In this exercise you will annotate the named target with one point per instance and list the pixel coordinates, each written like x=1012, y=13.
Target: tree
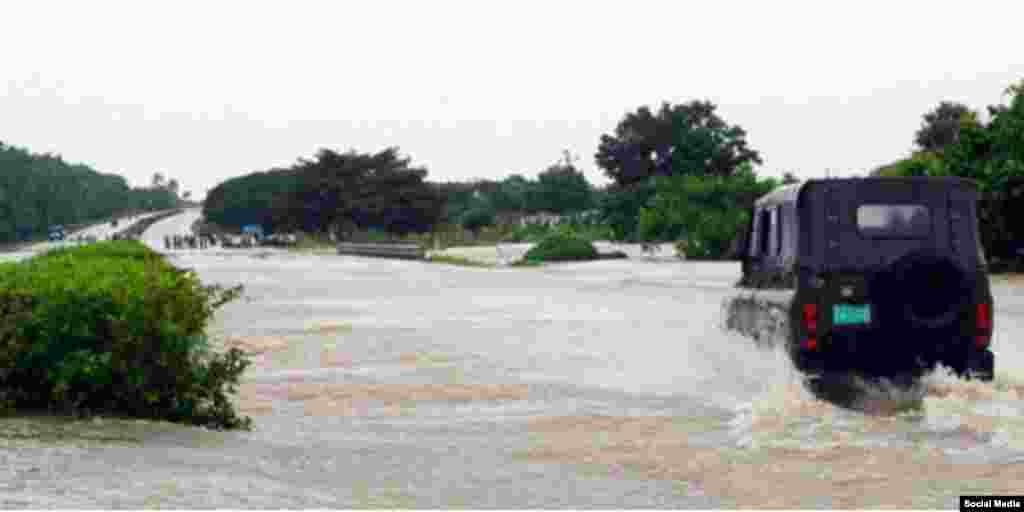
x=478, y=218
x=330, y=193
x=510, y=194
x=562, y=188
x=922, y=163
x=158, y=180
x=173, y=186
x=41, y=189
x=688, y=139
x=621, y=206
x=941, y=126
x=707, y=212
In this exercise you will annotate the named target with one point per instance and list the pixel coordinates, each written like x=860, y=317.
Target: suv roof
x=846, y=224
x=794, y=192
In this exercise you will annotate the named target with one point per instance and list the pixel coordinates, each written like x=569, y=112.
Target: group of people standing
x=189, y=242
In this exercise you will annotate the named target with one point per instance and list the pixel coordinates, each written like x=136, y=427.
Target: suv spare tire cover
x=925, y=289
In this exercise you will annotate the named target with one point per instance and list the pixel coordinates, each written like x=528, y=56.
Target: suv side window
x=764, y=232
x=777, y=226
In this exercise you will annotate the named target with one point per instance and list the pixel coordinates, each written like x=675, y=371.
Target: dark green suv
x=887, y=275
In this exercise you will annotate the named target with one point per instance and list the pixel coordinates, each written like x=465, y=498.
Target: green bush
x=477, y=219
x=530, y=233
x=706, y=212
x=620, y=209
x=113, y=328
x=563, y=245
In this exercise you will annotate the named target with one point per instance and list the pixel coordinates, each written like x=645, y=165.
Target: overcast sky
x=205, y=91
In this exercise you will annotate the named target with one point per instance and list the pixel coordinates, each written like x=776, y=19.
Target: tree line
x=40, y=190
x=343, y=193
x=956, y=140
x=677, y=171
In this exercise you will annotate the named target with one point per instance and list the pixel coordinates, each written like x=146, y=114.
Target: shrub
x=113, y=328
x=706, y=212
x=477, y=218
x=563, y=245
x=531, y=233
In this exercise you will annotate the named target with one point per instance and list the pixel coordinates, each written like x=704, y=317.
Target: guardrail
x=403, y=250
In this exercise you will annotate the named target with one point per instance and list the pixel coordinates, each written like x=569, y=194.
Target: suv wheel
x=924, y=289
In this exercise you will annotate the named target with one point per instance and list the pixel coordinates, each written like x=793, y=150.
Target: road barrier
x=403, y=250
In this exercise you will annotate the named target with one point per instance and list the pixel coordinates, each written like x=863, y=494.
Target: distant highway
x=102, y=231
x=176, y=225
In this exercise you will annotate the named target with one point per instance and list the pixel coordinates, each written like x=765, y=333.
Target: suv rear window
x=894, y=220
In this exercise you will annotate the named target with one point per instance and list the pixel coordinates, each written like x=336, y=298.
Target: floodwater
x=401, y=384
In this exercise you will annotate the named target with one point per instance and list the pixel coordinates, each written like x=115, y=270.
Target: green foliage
x=113, y=328
x=333, y=192
x=561, y=189
x=562, y=245
x=688, y=139
x=706, y=212
x=37, y=191
x=531, y=233
x=990, y=153
x=478, y=218
x=923, y=163
x=941, y=126
x=620, y=208
x=354, y=192
x=257, y=198
x=511, y=194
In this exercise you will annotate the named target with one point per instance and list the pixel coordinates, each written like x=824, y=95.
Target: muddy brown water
x=400, y=384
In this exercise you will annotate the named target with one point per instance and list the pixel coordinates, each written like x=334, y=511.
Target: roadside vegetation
x=562, y=246
x=678, y=173
x=565, y=244
x=40, y=190
x=956, y=140
x=356, y=196
x=112, y=328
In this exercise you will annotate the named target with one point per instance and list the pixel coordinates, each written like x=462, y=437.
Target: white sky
x=203, y=91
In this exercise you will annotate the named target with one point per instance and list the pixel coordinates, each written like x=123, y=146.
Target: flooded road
x=400, y=384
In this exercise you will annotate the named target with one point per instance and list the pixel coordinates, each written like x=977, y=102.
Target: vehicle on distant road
x=253, y=230
x=280, y=240
x=57, y=233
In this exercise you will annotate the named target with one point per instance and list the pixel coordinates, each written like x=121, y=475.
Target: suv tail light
x=983, y=325
x=809, y=322
x=810, y=319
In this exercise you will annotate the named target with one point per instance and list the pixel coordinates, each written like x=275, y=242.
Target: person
x=167, y=242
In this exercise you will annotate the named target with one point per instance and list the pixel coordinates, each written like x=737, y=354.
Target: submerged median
x=112, y=328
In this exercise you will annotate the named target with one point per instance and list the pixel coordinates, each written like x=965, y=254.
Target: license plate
x=851, y=314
